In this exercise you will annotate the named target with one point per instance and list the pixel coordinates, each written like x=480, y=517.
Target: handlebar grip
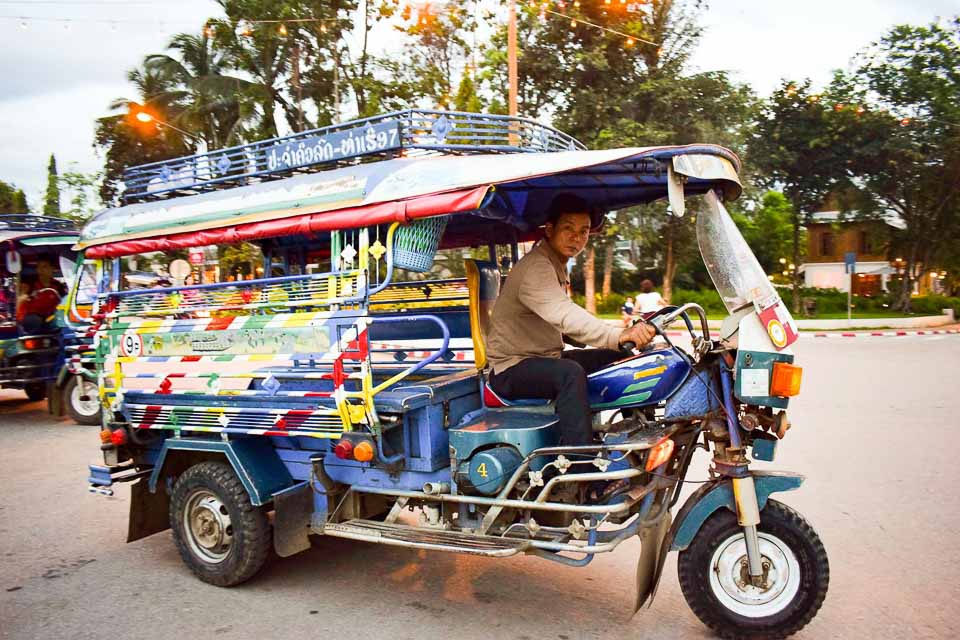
x=629, y=345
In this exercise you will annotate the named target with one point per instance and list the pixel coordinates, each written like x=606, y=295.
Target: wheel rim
x=83, y=398
x=207, y=525
x=730, y=578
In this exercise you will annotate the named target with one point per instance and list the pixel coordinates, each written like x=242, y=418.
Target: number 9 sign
x=131, y=345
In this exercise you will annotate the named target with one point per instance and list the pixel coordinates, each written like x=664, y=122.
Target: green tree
x=12, y=200
x=907, y=139
x=802, y=148
x=81, y=191
x=768, y=229
x=51, y=202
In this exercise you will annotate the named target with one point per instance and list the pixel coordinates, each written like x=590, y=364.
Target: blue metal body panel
x=254, y=460
x=710, y=497
x=523, y=430
x=647, y=379
x=363, y=474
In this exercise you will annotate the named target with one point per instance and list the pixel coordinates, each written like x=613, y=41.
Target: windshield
x=736, y=274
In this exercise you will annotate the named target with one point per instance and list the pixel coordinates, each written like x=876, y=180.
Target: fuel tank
x=645, y=379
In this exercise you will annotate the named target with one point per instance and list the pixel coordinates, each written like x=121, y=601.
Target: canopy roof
x=513, y=189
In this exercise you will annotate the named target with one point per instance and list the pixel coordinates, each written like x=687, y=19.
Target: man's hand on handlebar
x=636, y=336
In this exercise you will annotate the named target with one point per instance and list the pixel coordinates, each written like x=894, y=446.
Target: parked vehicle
x=338, y=398
x=31, y=350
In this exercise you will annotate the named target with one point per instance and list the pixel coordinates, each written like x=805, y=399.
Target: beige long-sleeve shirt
x=533, y=313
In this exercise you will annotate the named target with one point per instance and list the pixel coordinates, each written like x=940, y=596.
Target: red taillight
x=343, y=450
x=119, y=437
x=31, y=344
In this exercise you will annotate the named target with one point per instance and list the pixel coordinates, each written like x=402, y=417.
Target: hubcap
x=730, y=576
x=84, y=399
x=208, y=527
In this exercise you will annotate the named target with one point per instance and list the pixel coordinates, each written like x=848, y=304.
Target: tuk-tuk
x=31, y=287
x=340, y=389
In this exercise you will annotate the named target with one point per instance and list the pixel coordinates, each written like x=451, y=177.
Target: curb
x=885, y=334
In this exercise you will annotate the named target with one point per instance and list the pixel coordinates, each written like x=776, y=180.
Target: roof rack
x=408, y=133
x=40, y=224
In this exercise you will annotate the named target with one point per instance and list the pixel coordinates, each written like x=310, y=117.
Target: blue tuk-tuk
x=31, y=287
x=340, y=389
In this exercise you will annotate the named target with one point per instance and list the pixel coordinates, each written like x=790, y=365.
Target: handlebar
x=660, y=322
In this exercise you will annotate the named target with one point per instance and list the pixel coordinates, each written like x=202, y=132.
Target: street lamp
x=148, y=118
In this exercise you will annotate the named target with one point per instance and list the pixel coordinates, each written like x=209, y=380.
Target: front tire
x=715, y=582
x=36, y=391
x=221, y=536
x=83, y=403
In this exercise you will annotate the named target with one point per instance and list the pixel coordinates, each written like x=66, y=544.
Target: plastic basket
x=415, y=244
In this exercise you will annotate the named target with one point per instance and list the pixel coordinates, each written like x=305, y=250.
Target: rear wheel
x=83, y=403
x=223, y=538
x=716, y=583
x=36, y=391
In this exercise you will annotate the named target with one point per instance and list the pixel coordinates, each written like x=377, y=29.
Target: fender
x=701, y=504
x=254, y=460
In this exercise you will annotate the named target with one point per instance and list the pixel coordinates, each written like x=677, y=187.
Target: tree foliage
x=12, y=200
x=51, y=200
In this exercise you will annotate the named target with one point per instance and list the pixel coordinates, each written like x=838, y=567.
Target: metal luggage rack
x=410, y=132
x=27, y=222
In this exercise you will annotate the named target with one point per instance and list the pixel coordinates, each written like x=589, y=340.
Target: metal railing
x=409, y=132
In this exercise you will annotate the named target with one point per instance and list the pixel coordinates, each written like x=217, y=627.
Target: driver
x=533, y=315
x=39, y=298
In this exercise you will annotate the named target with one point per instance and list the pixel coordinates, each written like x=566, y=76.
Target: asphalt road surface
x=875, y=432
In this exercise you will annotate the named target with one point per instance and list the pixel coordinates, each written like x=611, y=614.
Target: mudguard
x=701, y=504
x=254, y=460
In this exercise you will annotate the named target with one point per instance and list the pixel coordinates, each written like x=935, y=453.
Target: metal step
x=423, y=538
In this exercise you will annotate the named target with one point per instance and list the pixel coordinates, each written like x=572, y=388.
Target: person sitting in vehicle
x=533, y=315
x=39, y=297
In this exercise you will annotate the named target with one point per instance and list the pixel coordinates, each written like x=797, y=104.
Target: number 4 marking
x=482, y=469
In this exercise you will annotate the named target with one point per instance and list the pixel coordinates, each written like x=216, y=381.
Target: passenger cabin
x=346, y=339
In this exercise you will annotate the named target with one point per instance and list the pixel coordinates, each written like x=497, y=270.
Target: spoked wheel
x=715, y=578
x=222, y=537
x=83, y=403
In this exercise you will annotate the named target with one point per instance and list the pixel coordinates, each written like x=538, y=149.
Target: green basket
x=415, y=244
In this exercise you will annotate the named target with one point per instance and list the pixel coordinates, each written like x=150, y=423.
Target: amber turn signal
x=363, y=452
x=105, y=436
x=659, y=453
x=786, y=380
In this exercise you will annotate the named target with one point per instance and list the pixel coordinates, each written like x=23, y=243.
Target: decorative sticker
x=779, y=325
x=754, y=382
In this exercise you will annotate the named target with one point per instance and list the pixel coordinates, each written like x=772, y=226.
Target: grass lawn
x=819, y=316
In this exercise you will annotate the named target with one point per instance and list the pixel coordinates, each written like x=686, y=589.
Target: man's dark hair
x=567, y=202
x=646, y=286
x=45, y=257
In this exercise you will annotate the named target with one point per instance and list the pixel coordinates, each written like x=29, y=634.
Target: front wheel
x=221, y=536
x=82, y=400
x=35, y=391
x=716, y=582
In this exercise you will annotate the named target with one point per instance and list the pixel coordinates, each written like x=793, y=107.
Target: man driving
x=39, y=297
x=533, y=315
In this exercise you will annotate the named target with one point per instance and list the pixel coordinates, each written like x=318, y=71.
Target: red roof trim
x=380, y=213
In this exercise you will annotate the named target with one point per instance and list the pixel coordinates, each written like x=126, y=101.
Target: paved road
x=874, y=431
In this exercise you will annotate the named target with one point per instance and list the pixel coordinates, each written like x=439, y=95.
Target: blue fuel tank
x=646, y=379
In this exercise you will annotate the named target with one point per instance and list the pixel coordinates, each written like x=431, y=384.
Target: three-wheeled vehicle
x=31, y=287
x=342, y=390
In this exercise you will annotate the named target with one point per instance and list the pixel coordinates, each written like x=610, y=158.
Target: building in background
x=830, y=236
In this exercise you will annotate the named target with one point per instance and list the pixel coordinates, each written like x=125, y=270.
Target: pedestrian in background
x=626, y=311
x=649, y=300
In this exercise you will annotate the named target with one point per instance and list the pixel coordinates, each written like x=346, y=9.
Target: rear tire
x=81, y=410
x=220, y=535
x=36, y=391
x=714, y=585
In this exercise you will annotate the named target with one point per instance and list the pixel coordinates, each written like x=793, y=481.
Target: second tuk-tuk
x=31, y=287
x=337, y=390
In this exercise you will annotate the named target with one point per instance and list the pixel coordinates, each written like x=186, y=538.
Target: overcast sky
x=63, y=61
